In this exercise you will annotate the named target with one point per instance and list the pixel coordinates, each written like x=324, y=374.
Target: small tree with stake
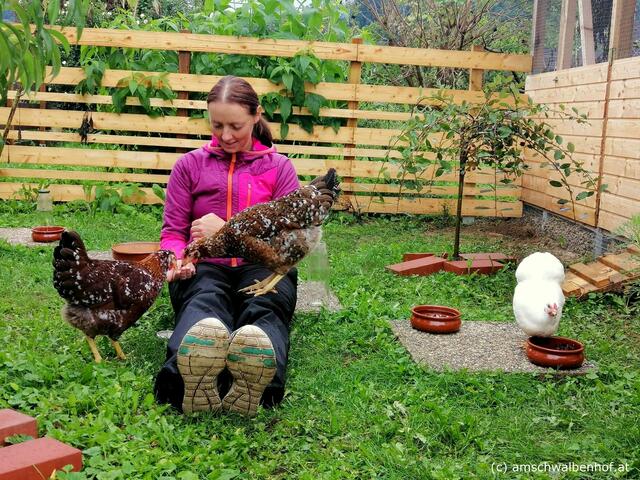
x=492, y=134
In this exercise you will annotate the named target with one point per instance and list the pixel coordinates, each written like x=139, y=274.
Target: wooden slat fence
x=137, y=148
x=609, y=145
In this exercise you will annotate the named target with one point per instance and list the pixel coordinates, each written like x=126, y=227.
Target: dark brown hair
x=232, y=89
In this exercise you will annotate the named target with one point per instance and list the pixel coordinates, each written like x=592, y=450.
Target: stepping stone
x=16, y=423
x=465, y=267
x=500, y=257
x=419, y=266
x=37, y=459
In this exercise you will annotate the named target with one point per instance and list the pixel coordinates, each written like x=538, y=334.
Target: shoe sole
x=252, y=362
x=201, y=357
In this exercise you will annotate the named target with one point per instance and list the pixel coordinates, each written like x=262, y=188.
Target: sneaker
x=201, y=357
x=252, y=362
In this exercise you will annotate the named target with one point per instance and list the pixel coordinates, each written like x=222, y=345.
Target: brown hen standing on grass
x=105, y=297
x=277, y=234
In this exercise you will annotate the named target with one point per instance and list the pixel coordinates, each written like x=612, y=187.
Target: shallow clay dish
x=134, y=251
x=45, y=234
x=555, y=352
x=435, y=319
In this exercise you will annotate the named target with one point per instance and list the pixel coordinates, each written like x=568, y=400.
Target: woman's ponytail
x=262, y=132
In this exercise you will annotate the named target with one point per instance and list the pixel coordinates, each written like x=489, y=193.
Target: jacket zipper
x=234, y=260
x=248, y=195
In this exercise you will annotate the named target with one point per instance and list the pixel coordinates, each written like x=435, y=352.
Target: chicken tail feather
x=328, y=183
x=70, y=245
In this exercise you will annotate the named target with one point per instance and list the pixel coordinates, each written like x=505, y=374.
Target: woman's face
x=232, y=125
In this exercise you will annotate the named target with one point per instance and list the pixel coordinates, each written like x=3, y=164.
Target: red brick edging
x=33, y=459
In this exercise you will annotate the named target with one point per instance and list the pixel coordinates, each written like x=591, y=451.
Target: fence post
x=537, y=36
x=184, y=66
x=355, y=74
x=476, y=78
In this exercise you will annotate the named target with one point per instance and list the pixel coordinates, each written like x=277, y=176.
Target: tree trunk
x=12, y=112
x=461, y=174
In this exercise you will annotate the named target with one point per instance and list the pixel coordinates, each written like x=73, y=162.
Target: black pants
x=213, y=292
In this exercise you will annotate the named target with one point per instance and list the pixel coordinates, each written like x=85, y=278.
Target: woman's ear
x=259, y=111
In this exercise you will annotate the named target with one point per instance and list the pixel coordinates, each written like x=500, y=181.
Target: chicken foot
x=120, y=354
x=263, y=286
x=94, y=349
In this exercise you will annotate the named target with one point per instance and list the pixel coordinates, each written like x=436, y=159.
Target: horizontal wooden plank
x=627, y=89
x=624, y=262
x=164, y=161
x=373, y=188
x=65, y=193
x=581, y=214
x=595, y=273
x=173, y=125
x=533, y=197
x=477, y=208
x=616, y=204
x=624, y=187
x=287, y=48
x=568, y=95
x=594, y=109
x=185, y=82
x=625, y=108
x=334, y=151
x=627, y=148
x=194, y=42
x=71, y=76
x=583, y=144
x=87, y=157
x=611, y=221
x=625, y=68
x=622, y=167
x=202, y=105
x=623, y=128
x=83, y=175
x=542, y=185
x=566, y=78
x=593, y=128
x=576, y=286
x=444, y=58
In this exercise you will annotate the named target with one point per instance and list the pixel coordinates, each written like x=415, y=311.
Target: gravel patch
x=314, y=295
x=478, y=346
x=21, y=236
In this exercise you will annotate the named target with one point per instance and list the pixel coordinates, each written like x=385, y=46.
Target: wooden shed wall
x=609, y=144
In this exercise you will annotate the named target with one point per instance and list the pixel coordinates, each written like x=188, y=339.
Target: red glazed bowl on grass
x=435, y=319
x=555, y=352
x=46, y=234
x=134, y=251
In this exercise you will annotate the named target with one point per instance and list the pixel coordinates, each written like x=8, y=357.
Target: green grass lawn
x=356, y=405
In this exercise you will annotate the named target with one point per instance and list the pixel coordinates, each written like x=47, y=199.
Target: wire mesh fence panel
x=574, y=33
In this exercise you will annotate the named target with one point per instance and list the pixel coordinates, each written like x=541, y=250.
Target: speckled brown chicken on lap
x=277, y=234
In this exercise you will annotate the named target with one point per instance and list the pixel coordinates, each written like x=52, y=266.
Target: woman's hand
x=206, y=226
x=181, y=272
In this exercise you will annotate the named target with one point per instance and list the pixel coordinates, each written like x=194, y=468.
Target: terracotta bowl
x=435, y=319
x=46, y=233
x=134, y=251
x=555, y=352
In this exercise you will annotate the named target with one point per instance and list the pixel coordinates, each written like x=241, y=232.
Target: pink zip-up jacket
x=210, y=180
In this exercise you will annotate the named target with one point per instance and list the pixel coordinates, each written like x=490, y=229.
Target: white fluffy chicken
x=538, y=297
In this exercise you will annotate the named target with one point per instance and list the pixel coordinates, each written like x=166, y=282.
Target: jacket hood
x=257, y=150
